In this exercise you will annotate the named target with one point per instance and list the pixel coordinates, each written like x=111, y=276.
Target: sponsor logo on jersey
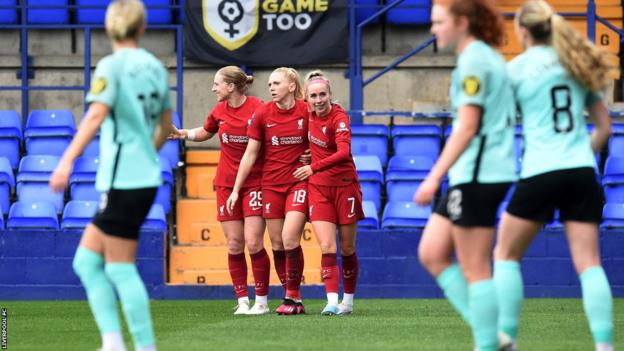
x=275, y=141
x=471, y=85
x=224, y=138
x=231, y=23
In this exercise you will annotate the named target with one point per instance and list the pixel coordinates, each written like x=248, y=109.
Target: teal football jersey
x=552, y=105
x=134, y=85
x=481, y=79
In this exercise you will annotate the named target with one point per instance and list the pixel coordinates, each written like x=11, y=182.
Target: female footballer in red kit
x=243, y=225
x=334, y=190
x=281, y=127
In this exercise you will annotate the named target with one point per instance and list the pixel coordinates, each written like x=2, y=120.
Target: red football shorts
x=249, y=203
x=336, y=204
x=280, y=199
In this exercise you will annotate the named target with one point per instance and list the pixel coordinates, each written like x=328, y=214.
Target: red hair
x=484, y=21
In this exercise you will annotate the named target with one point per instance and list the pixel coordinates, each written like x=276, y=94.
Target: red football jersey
x=330, y=144
x=231, y=125
x=284, y=134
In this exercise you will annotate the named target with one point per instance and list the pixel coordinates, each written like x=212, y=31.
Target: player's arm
x=86, y=132
x=468, y=124
x=195, y=134
x=162, y=129
x=246, y=164
x=599, y=115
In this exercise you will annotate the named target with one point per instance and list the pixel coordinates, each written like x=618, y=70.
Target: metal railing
x=25, y=87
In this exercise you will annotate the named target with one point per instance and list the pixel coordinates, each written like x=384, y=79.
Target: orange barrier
x=201, y=167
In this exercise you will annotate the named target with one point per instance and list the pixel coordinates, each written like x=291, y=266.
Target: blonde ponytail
x=581, y=58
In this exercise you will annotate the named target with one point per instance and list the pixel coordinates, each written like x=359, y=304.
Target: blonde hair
x=125, y=19
x=581, y=58
x=235, y=75
x=293, y=77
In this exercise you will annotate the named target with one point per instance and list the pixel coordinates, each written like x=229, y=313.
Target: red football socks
x=350, y=269
x=261, y=268
x=238, y=272
x=329, y=272
x=294, y=268
x=279, y=259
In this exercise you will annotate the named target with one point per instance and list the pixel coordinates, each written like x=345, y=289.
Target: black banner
x=266, y=32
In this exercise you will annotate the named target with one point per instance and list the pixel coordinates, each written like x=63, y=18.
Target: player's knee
x=328, y=247
x=347, y=249
x=86, y=263
x=236, y=246
x=254, y=245
x=291, y=243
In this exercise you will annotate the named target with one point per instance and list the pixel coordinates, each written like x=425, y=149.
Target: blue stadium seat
x=49, y=132
x=613, y=179
x=7, y=182
x=97, y=15
x=82, y=179
x=371, y=177
x=417, y=140
x=171, y=149
x=403, y=214
x=163, y=196
x=156, y=219
x=404, y=175
x=10, y=136
x=1, y=220
x=365, y=9
x=33, y=215
x=93, y=148
x=370, y=139
x=8, y=16
x=78, y=214
x=613, y=216
x=48, y=15
x=371, y=218
x=33, y=176
x=410, y=12
x=616, y=142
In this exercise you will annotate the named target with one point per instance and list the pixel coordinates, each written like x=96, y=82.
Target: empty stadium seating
x=8, y=16
x=163, y=196
x=616, y=142
x=7, y=183
x=77, y=214
x=370, y=139
x=613, y=216
x=371, y=220
x=156, y=219
x=82, y=179
x=10, y=136
x=33, y=215
x=404, y=215
x=53, y=14
x=49, y=132
x=96, y=15
x=365, y=9
x=33, y=177
x=371, y=178
x=613, y=179
x=410, y=12
x=404, y=175
x=417, y=140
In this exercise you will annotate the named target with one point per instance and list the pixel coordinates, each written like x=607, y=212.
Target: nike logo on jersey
x=256, y=208
x=221, y=123
x=351, y=215
x=271, y=125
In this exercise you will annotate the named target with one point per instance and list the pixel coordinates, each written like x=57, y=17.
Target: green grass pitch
x=407, y=324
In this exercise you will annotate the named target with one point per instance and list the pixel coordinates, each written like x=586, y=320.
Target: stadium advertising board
x=266, y=32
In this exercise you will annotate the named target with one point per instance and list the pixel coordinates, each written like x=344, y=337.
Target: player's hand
x=60, y=177
x=426, y=191
x=231, y=201
x=302, y=173
x=175, y=133
x=306, y=157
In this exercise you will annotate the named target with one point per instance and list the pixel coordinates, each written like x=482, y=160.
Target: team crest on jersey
x=267, y=207
x=300, y=123
x=250, y=121
x=98, y=86
x=224, y=138
x=222, y=210
x=471, y=85
x=324, y=130
x=231, y=23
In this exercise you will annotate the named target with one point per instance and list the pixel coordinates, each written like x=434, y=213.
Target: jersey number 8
x=561, y=103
